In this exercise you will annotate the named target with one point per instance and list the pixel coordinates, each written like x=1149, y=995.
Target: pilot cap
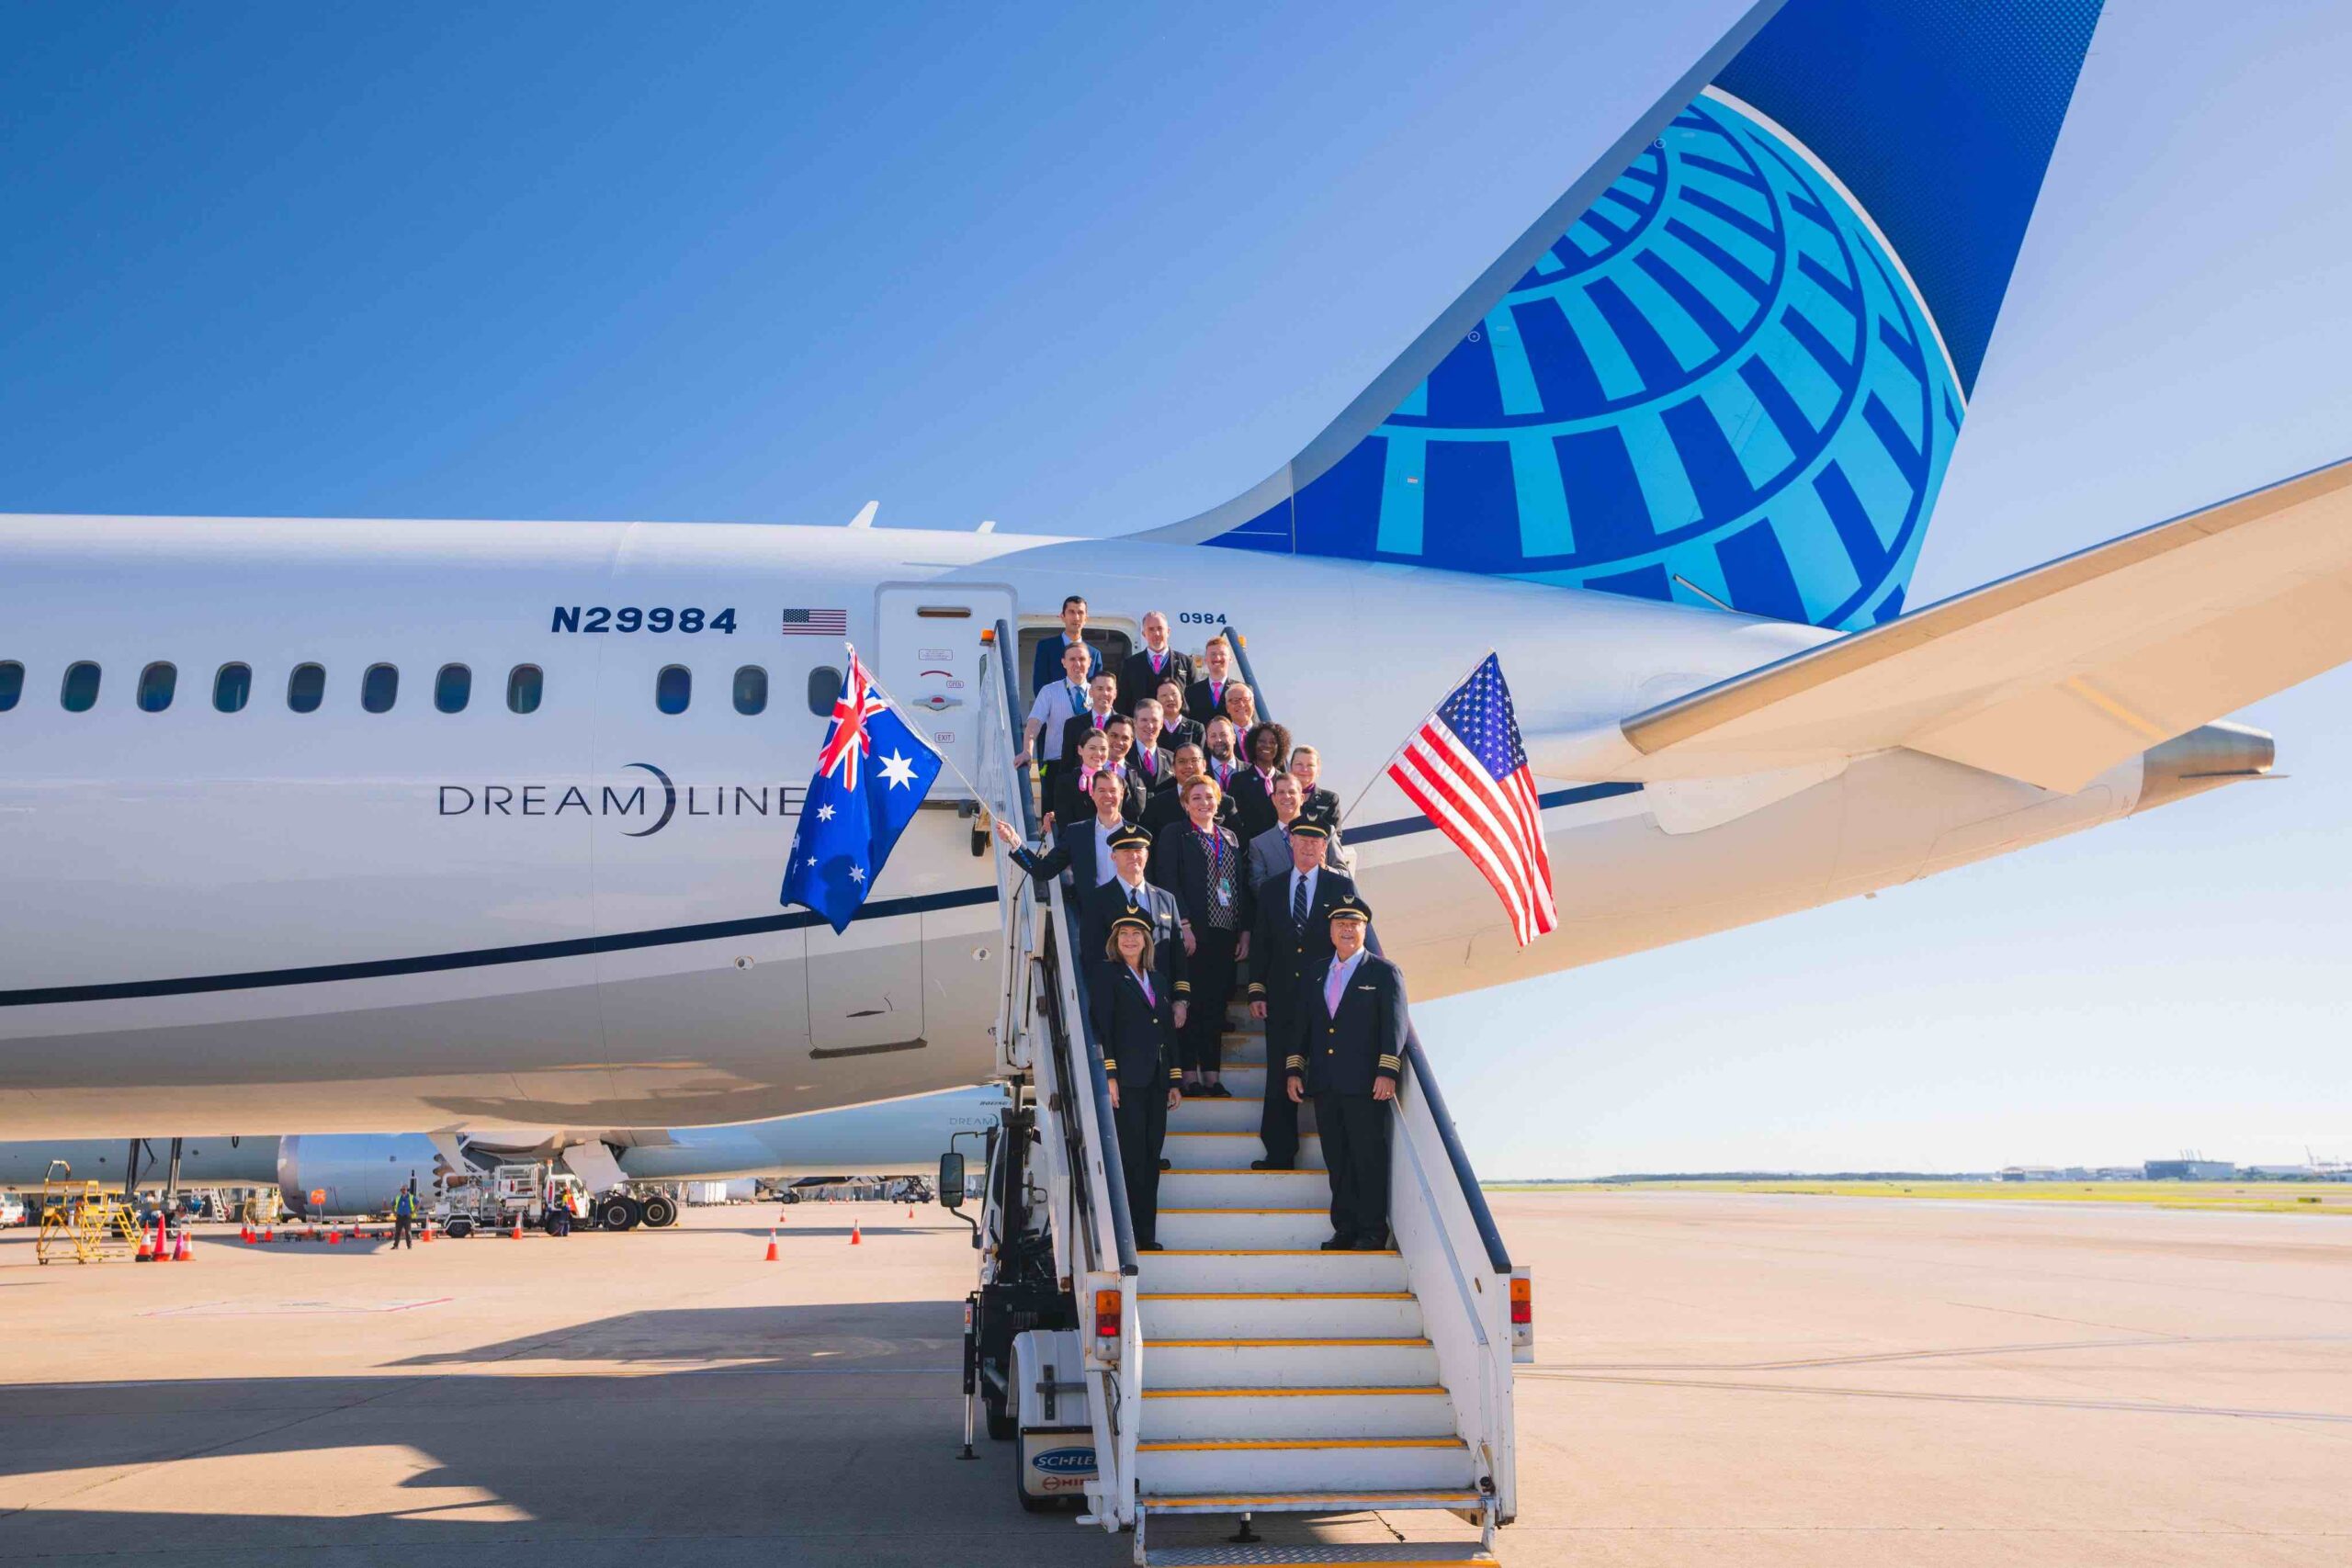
x=1310, y=830
x=1351, y=908
x=1135, y=917
x=1130, y=838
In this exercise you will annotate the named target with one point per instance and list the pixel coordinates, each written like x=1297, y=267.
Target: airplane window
x=156, y=684
x=751, y=689
x=80, y=689
x=12, y=683
x=824, y=690
x=673, y=688
x=306, y=687
x=231, y=685
x=452, y=688
x=524, y=684
x=380, y=688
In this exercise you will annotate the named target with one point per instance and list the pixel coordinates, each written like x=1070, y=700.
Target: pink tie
x=1331, y=988
x=1157, y=660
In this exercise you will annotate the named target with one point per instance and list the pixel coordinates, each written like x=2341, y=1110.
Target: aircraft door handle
x=936, y=701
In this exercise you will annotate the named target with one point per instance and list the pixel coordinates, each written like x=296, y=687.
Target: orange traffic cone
x=180, y=1252
x=853, y=1234
x=144, y=1255
x=428, y=1227
x=268, y=1234
x=772, y=1257
x=910, y=1211
x=517, y=1232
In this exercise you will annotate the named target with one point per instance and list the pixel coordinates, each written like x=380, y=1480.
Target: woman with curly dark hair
x=1264, y=749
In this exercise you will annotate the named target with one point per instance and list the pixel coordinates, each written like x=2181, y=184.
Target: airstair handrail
x=1240, y=646
x=1048, y=971
x=1489, y=1233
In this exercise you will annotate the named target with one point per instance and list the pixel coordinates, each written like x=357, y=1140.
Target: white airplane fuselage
x=344, y=920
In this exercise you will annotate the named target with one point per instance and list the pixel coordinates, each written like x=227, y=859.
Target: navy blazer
x=1073, y=851
x=1137, y=1038
x=1046, y=667
x=1349, y=1052
x=1137, y=680
x=1280, y=950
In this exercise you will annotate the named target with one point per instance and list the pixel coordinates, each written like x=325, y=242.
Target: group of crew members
x=1210, y=870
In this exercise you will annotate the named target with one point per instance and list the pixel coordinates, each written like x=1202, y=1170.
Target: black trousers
x=1278, y=1121
x=401, y=1223
x=1142, y=1119
x=1356, y=1144
x=1210, y=969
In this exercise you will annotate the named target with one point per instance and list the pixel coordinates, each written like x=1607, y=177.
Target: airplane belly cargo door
x=929, y=658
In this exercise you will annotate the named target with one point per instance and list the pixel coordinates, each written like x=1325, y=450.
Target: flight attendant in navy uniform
x=1347, y=1049
x=1135, y=1027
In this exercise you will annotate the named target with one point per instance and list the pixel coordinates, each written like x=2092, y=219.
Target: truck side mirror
x=951, y=1181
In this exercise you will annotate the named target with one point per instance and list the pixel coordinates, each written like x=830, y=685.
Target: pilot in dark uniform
x=1347, y=1049
x=1134, y=1028
x=1292, y=932
x=1128, y=889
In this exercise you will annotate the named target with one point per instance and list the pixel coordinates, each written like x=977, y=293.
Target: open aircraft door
x=929, y=658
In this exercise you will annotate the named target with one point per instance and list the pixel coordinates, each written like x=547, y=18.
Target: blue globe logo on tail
x=1718, y=384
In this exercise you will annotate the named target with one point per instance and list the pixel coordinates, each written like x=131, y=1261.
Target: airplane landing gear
x=618, y=1211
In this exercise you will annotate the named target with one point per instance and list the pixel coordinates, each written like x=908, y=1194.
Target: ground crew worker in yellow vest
x=403, y=1218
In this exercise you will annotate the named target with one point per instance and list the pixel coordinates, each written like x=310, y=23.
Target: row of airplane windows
x=380, y=688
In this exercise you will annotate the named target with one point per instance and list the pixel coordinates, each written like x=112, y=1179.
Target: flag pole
x=1381, y=772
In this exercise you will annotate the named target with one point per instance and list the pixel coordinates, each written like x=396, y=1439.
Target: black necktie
x=1298, y=902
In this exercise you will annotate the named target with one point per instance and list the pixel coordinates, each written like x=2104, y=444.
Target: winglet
x=864, y=518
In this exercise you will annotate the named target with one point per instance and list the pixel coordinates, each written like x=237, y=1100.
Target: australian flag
x=872, y=772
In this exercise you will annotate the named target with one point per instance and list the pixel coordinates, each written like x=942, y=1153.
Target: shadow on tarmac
x=789, y=1434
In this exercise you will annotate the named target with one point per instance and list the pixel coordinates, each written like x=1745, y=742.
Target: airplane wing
x=2052, y=676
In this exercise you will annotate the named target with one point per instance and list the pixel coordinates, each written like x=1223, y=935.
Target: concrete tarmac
x=1720, y=1379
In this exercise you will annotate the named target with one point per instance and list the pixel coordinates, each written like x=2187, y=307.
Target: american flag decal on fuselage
x=816, y=623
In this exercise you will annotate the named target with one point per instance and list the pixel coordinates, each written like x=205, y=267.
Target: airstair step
x=1245, y=1188
x=1229, y=1148
x=1193, y=1228
x=1305, y=1464
x=1367, y=1412
x=1199, y=1113
x=1365, y=1554
x=1248, y=1500
x=1278, y=1362
x=1230, y=1269
x=1246, y=1081
x=1219, y=1314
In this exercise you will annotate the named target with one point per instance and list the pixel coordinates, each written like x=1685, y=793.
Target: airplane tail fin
x=1728, y=365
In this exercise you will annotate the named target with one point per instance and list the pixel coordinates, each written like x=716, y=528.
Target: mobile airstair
x=1243, y=1370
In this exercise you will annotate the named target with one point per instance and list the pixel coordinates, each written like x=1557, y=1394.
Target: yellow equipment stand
x=95, y=1224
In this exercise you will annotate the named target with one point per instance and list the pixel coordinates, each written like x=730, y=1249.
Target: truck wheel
x=1001, y=1423
x=459, y=1228
x=661, y=1211
x=618, y=1213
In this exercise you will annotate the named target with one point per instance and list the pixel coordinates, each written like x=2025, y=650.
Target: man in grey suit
x=1270, y=851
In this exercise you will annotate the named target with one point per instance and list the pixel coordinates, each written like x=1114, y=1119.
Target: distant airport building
x=2282, y=1172
x=2032, y=1173
x=2190, y=1170
x=2120, y=1172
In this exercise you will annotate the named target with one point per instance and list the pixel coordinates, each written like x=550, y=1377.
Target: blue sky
x=1094, y=268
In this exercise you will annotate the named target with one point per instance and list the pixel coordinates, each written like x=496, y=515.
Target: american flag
x=816, y=623
x=1466, y=768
